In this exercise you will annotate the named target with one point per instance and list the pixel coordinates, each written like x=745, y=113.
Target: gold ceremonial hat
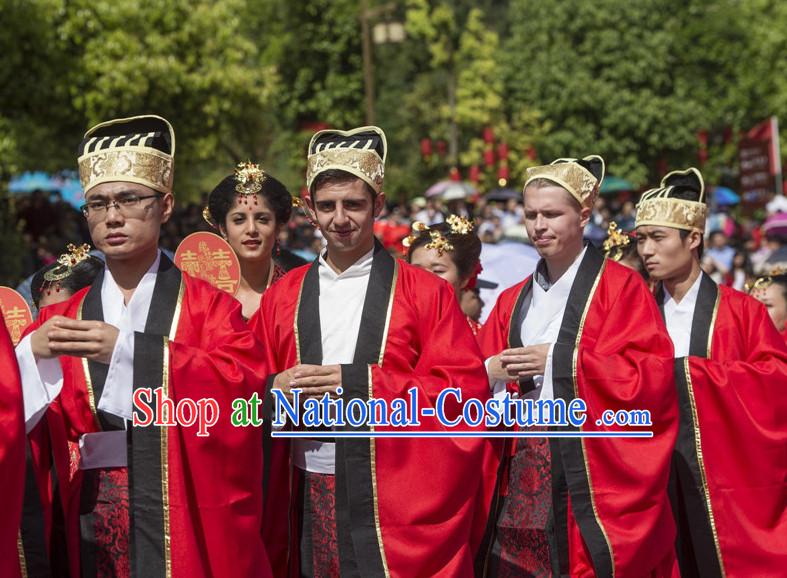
x=661, y=206
x=140, y=149
x=580, y=177
x=361, y=152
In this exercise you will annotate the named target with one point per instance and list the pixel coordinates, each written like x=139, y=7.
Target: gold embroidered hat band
x=580, y=177
x=360, y=152
x=679, y=202
x=140, y=149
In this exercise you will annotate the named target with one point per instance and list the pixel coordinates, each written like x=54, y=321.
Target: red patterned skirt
x=319, y=551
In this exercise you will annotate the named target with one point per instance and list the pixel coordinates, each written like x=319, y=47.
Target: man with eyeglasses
x=152, y=501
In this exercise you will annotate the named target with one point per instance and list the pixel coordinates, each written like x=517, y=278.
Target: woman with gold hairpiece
x=250, y=209
x=771, y=291
x=58, y=281
x=52, y=284
x=620, y=248
x=450, y=250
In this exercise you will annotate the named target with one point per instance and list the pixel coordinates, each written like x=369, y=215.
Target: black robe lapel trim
x=704, y=313
x=360, y=549
x=572, y=451
x=148, y=446
x=695, y=545
x=309, y=336
x=515, y=328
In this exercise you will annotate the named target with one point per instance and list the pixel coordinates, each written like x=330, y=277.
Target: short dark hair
x=273, y=191
x=701, y=249
x=467, y=248
x=82, y=275
x=337, y=176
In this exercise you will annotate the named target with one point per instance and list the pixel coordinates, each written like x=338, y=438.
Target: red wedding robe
x=731, y=453
x=592, y=507
x=12, y=455
x=412, y=501
x=186, y=506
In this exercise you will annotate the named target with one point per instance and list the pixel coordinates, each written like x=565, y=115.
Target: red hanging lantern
x=702, y=153
x=475, y=174
x=489, y=156
x=455, y=175
x=502, y=151
x=502, y=171
x=426, y=147
x=489, y=135
x=442, y=148
x=531, y=153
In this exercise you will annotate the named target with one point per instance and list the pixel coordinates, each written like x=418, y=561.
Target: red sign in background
x=760, y=163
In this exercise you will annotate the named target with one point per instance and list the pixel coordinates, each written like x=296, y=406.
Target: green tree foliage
x=634, y=81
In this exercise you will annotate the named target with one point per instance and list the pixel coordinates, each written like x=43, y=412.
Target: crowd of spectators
x=737, y=247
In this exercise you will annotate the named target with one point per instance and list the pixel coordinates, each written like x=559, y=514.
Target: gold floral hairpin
x=459, y=226
x=616, y=241
x=249, y=177
x=67, y=262
x=764, y=281
x=208, y=217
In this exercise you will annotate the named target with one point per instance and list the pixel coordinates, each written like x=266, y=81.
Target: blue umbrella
x=725, y=196
x=29, y=182
x=66, y=182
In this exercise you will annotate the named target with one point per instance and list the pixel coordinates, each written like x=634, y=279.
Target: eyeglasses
x=128, y=206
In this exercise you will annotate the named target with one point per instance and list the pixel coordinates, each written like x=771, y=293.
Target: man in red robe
x=580, y=327
x=729, y=482
x=376, y=326
x=144, y=499
x=12, y=454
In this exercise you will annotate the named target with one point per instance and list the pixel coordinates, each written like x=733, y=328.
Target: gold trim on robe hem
x=701, y=464
x=176, y=315
x=86, y=370
x=713, y=322
x=387, y=319
x=295, y=323
x=373, y=466
x=20, y=547
x=163, y=432
x=576, y=395
x=372, y=444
